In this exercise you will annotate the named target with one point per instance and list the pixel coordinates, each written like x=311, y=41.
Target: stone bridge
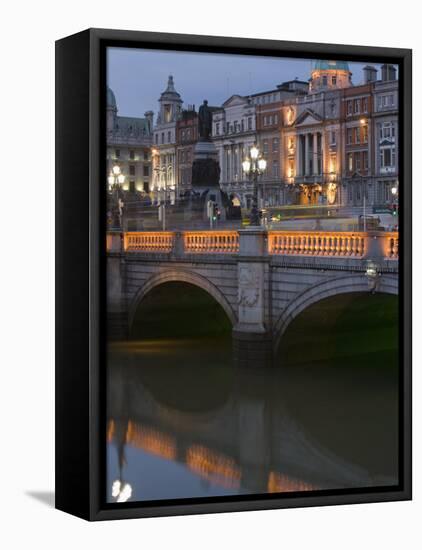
x=261, y=279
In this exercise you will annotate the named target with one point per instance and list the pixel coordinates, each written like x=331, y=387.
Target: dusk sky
x=138, y=77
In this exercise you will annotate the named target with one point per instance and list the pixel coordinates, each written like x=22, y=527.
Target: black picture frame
x=80, y=272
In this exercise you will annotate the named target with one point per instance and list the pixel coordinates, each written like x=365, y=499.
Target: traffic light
x=395, y=212
x=216, y=212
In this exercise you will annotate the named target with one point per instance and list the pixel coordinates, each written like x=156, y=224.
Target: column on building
x=306, y=155
x=315, y=153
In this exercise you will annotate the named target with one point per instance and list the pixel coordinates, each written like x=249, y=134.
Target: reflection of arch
x=181, y=276
x=331, y=287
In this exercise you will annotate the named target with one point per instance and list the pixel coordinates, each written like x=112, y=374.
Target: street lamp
x=164, y=170
x=116, y=180
x=363, y=185
x=253, y=166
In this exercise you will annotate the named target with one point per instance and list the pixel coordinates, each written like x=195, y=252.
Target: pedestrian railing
x=279, y=243
x=317, y=243
x=211, y=242
x=146, y=241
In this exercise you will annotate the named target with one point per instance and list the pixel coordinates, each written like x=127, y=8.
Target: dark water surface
x=184, y=422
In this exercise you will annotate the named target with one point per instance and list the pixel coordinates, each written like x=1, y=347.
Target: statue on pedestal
x=205, y=121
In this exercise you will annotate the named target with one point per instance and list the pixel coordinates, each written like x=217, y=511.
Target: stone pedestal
x=206, y=177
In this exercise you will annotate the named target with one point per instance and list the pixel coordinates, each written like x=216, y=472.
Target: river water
x=184, y=422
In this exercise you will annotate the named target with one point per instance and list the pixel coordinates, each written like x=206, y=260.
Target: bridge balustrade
x=158, y=241
x=342, y=244
x=211, y=242
x=295, y=243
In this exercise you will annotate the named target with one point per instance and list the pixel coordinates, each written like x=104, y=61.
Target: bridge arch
x=325, y=289
x=181, y=276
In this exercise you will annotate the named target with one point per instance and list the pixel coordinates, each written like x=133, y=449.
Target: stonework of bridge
x=261, y=279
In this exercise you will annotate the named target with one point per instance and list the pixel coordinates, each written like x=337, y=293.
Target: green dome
x=111, y=99
x=322, y=65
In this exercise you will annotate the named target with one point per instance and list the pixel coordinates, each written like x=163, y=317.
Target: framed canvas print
x=233, y=274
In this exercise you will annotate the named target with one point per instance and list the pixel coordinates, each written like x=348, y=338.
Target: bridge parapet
x=359, y=245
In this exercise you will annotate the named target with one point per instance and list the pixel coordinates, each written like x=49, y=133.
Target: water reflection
x=184, y=422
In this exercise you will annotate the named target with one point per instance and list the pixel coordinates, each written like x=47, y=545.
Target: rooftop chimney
x=388, y=72
x=369, y=74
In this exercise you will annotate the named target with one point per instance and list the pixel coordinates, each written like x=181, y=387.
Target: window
x=235, y=125
x=333, y=139
x=168, y=137
x=249, y=123
x=156, y=139
x=388, y=157
x=356, y=106
x=357, y=134
x=132, y=186
x=275, y=171
x=333, y=164
x=357, y=162
x=385, y=101
x=162, y=137
x=146, y=155
x=243, y=125
x=265, y=146
x=132, y=154
x=365, y=105
x=350, y=162
x=365, y=133
x=365, y=160
x=183, y=133
x=387, y=130
x=349, y=107
x=131, y=169
x=217, y=129
x=333, y=80
x=324, y=80
x=275, y=145
x=146, y=171
x=349, y=135
x=228, y=127
x=117, y=153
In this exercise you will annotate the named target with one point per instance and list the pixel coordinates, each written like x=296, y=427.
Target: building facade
x=186, y=139
x=385, y=117
x=164, y=158
x=129, y=142
x=327, y=142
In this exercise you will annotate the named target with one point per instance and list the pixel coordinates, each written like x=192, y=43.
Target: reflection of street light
x=121, y=491
x=253, y=166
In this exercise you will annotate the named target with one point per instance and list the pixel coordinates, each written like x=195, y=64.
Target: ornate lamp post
x=115, y=181
x=395, y=193
x=164, y=170
x=254, y=166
